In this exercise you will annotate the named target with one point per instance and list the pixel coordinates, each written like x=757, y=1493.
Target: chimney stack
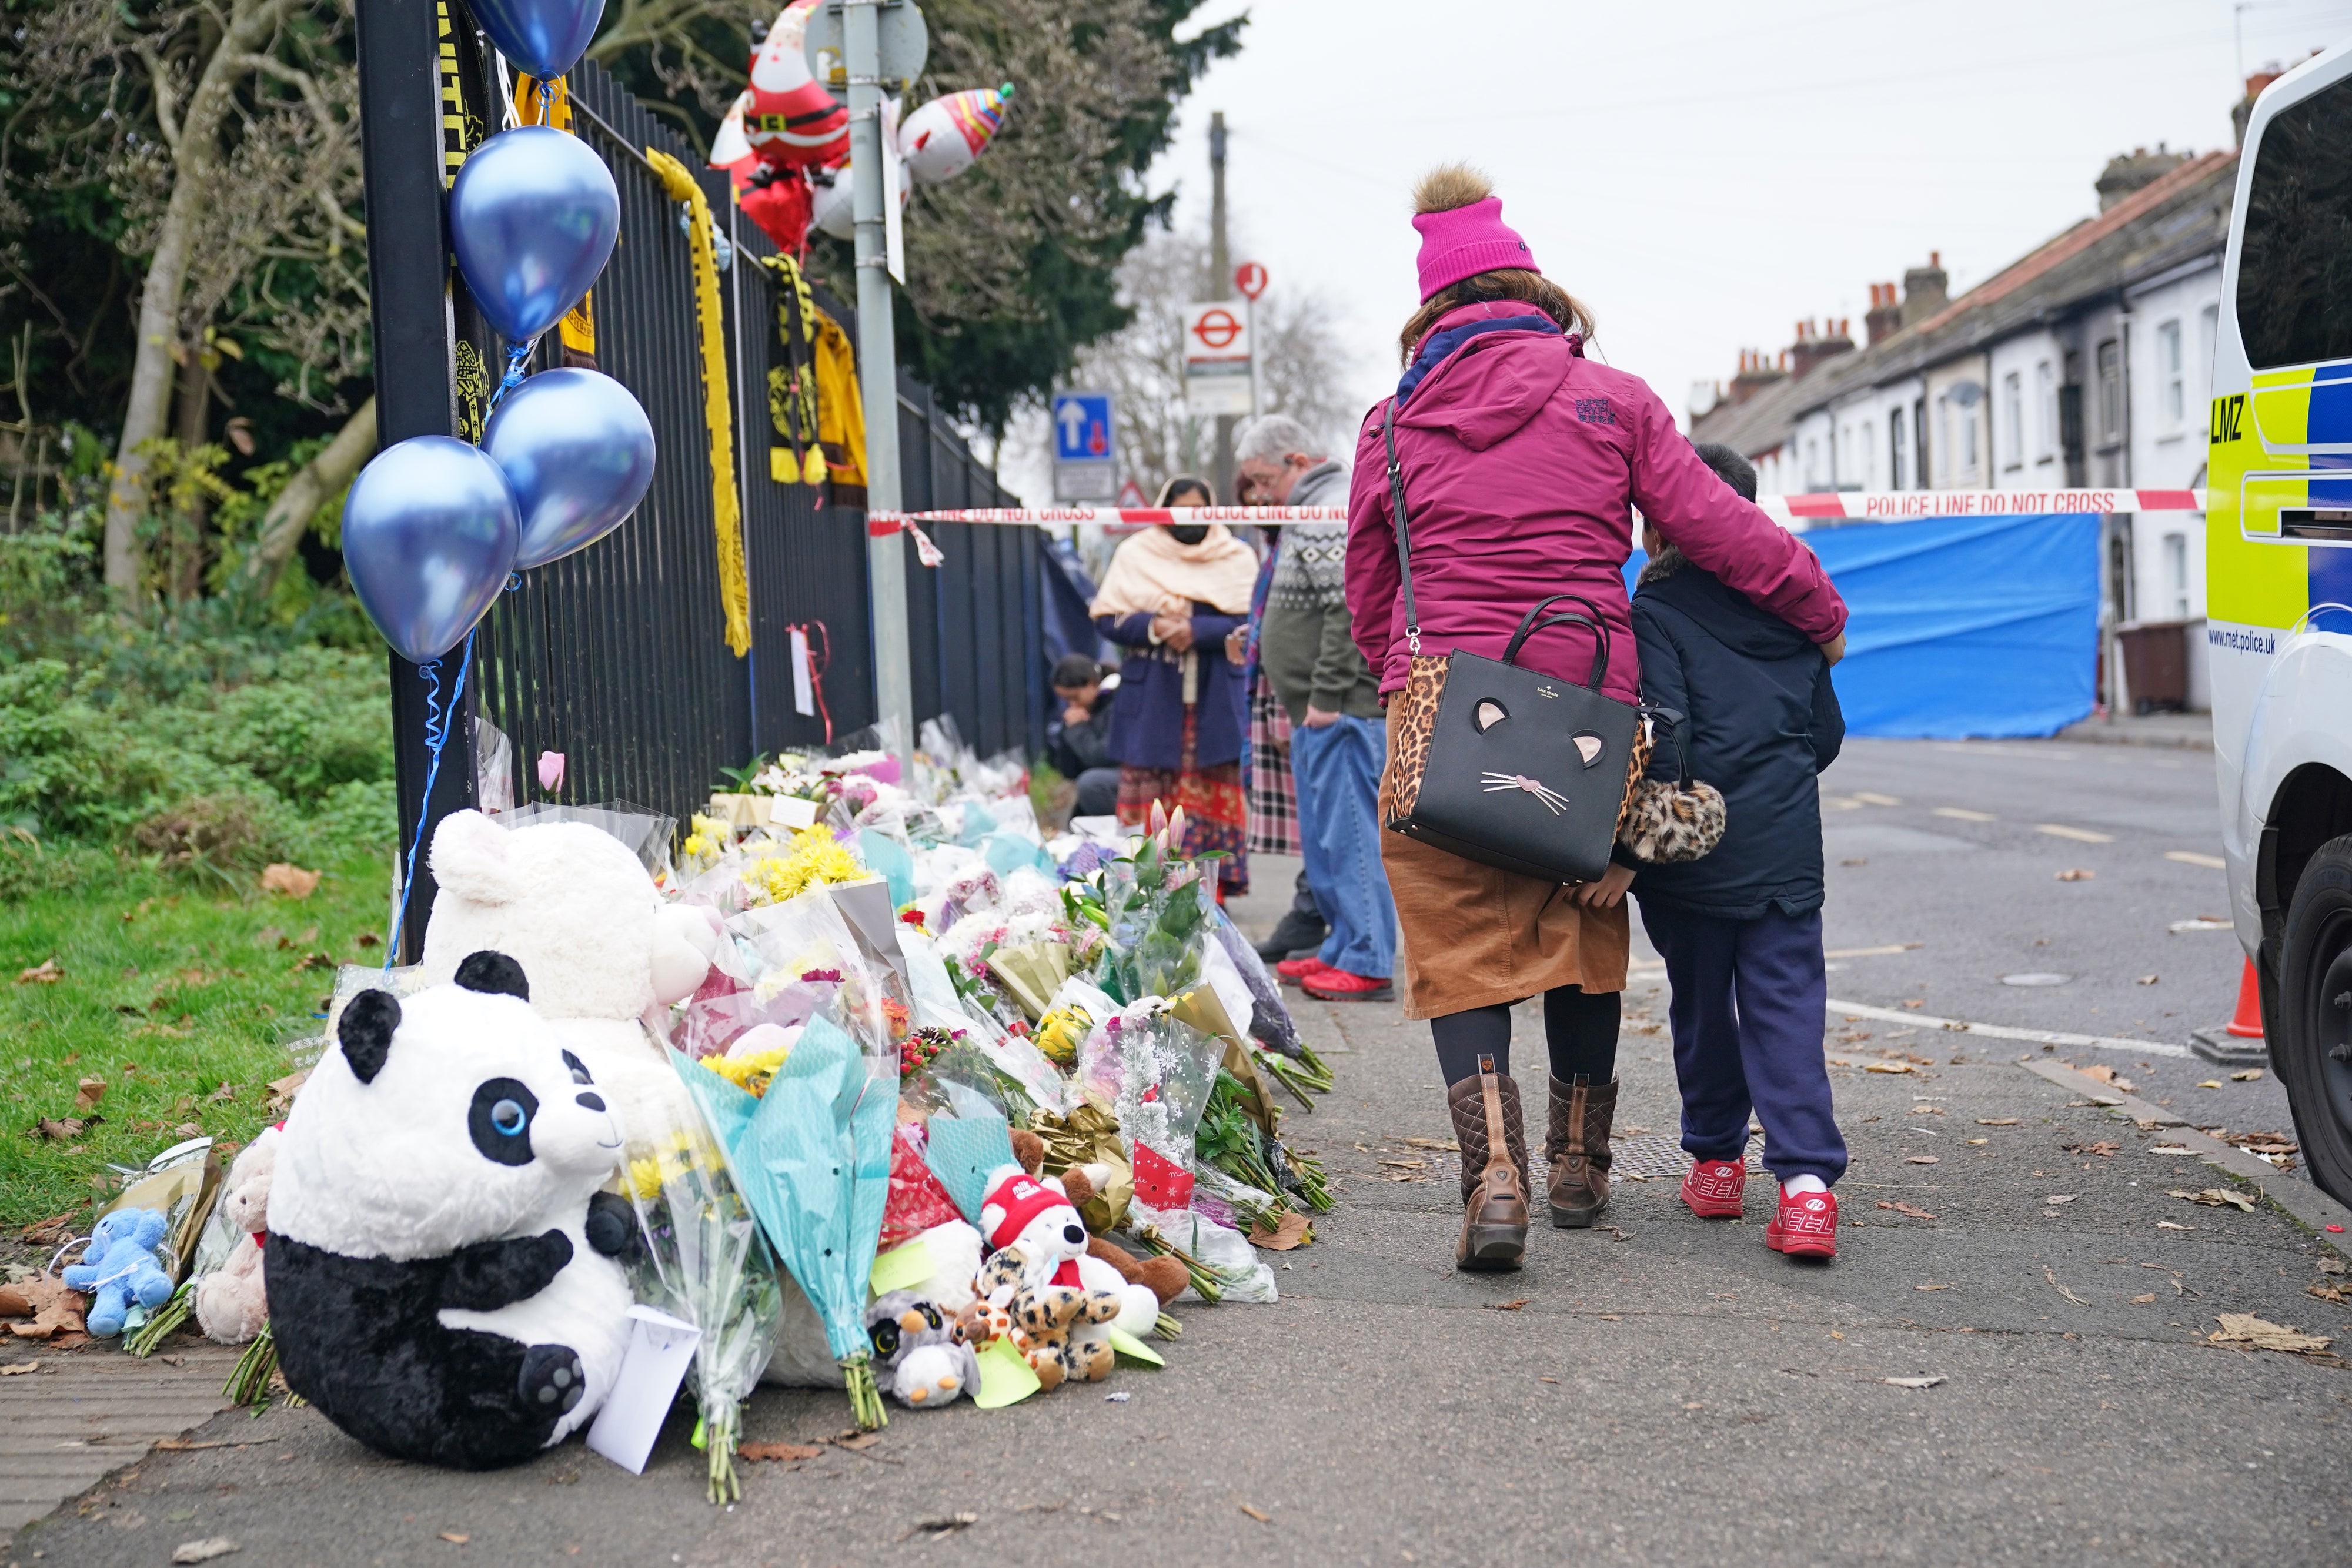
x=2130, y=171
x=1885, y=316
x=2254, y=85
x=1923, y=289
x=1755, y=373
x=1816, y=342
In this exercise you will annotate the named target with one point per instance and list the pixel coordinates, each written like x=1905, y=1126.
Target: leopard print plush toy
x=1056, y=1328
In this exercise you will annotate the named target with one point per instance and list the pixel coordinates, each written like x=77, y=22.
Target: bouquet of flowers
x=1158, y=908
x=704, y=1261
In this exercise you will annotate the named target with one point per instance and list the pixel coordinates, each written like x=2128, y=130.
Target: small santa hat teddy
x=1021, y=1210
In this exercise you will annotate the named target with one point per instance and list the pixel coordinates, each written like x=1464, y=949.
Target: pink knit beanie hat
x=1462, y=230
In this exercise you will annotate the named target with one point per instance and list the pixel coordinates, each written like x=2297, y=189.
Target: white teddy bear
x=601, y=948
x=1035, y=1216
x=231, y=1304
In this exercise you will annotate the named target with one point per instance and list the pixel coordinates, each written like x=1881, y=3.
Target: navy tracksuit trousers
x=1747, y=1015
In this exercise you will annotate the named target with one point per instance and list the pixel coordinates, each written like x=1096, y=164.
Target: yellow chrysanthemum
x=750, y=1074
x=816, y=859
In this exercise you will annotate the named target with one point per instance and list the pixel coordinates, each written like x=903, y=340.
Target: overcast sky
x=1702, y=173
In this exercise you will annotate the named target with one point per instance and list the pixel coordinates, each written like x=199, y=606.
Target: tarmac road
x=1666, y=1390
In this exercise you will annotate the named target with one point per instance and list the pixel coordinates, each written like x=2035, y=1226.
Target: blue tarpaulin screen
x=1964, y=626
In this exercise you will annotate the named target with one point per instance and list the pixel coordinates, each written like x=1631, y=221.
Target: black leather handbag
x=1504, y=766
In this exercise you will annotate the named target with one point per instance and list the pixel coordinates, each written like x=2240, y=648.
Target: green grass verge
x=176, y=991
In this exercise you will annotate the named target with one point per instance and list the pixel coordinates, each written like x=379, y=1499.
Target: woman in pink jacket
x=1522, y=462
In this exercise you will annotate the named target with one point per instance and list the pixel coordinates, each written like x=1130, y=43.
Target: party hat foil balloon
x=940, y=140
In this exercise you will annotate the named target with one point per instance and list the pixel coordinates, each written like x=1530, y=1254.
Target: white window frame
x=2045, y=400
x=2171, y=373
x=2013, y=409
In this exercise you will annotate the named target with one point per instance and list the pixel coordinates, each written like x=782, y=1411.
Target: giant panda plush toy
x=441, y=1263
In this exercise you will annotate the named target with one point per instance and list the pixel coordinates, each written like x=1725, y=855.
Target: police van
x=2279, y=565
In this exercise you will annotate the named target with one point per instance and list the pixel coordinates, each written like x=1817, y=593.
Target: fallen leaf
x=2099, y=1070
x=2208, y=1083
x=2103, y=1148
x=2244, y=1327
x=1447, y=1144
x=58, y=1132
x=2250, y=1075
x=368, y=939
x=1916, y=1002
x=1926, y=1109
x=89, y=1093
x=2148, y=980
x=20, y=1368
x=1508, y=1306
x=282, y=1090
x=1292, y=1231
x=51, y=1231
x=2076, y=874
x=1888, y=1067
x=206, y=1549
x=2059, y=1197
x=2214, y=1197
x=270, y=936
x=2170, y=1149
x=794, y=1452
x=1997, y=1120
x=1546, y=1380
x=1406, y=1165
x=2052, y=1276
x=1911, y=1210
x=1931, y=1287
x=228, y=1091
x=2143, y=1301
x=2325, y=1292
x=1923, y=1160
x=1912, y=1382
x=857, y=1442
x=2168, y=1225
x=1973, y=1142
x=455, y=1537
x=289, y=880
x=1261, y=1517
x=46, y=973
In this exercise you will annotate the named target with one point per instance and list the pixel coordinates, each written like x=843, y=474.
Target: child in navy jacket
x=1740, y=928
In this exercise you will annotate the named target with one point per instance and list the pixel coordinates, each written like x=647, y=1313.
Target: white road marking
x=1998, y=1031
x=2080, y=835
x=1875, y=798
x=1962, y=814
x=2200, y=925
x=2189, y=857
x=1870, y=952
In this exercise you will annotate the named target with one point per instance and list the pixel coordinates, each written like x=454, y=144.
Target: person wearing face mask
x=1173, y=594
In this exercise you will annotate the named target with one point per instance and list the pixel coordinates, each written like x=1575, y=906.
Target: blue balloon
x=533, y=215
x=430, y=536
x=577, y=452
x=543, y=37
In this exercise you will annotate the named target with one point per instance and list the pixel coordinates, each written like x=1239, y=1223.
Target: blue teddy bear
x=119, y=1267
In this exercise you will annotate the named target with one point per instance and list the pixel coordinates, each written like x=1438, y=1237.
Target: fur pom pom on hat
x=1462, y=230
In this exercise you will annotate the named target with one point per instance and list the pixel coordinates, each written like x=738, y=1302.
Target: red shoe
x=1805, y=1226
x=1298, y=969
x=1717, y=1189
x=1339, y=985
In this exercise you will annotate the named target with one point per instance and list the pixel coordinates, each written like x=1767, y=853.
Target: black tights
x=1580, y=1031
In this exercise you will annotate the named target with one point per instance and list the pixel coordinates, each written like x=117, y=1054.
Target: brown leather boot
x=1488, y=1124
x=1576, y=1147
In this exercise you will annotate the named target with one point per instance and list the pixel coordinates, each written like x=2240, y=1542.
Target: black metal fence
x=616, y=656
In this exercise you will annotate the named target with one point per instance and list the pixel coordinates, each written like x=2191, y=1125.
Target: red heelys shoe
x=1339, y=985
x=1298, y=969
x=1805, y=1226
x=1717, y=1189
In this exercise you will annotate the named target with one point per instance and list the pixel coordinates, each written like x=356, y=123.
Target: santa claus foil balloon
x=789, y=119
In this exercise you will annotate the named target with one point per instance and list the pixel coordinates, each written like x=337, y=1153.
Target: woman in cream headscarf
x=1171, y=595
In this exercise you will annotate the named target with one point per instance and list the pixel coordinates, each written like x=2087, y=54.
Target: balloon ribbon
x=436, y=735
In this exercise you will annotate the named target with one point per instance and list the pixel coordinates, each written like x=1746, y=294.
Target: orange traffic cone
x=2248, y=1024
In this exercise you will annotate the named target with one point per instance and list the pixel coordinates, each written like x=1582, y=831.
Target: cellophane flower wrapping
x=1158, y=909
x=704, y=1260
x=1153, y=1073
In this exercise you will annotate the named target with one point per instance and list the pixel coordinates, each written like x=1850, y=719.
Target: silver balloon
x=430, y=536
x=578, y=451
x=533, y=216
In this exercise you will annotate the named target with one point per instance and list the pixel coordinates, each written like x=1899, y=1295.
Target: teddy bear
x=441, y=1266
x=1059, y=1330
x=601, y=948
x=919, y=1357
x=231, y=1305
x=119, y=1268
x=1035, y=1217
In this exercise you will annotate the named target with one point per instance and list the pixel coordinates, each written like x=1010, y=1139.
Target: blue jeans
x=1338, y=771
x=1746, y=1013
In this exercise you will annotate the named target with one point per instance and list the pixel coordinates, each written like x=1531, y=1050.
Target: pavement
x=1657, y=1389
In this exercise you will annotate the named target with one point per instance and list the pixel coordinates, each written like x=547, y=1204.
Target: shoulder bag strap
x=1404, y=543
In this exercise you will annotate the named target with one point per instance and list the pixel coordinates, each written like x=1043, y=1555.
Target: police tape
x=1797, y=511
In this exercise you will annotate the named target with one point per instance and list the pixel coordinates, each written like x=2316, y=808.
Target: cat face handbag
x=1524, y=771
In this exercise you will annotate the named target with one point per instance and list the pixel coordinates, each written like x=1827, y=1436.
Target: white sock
x=1803, y=1183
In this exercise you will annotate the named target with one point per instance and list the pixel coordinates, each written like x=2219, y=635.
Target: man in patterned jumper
x=1339, y=743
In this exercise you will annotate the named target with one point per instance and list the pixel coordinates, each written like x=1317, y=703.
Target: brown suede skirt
x=1470, y=936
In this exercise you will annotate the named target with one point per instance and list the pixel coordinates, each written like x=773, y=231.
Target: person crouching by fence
x=1079, y=742
x=1338, y=742
x=1740, y=927
x=1172, y=595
